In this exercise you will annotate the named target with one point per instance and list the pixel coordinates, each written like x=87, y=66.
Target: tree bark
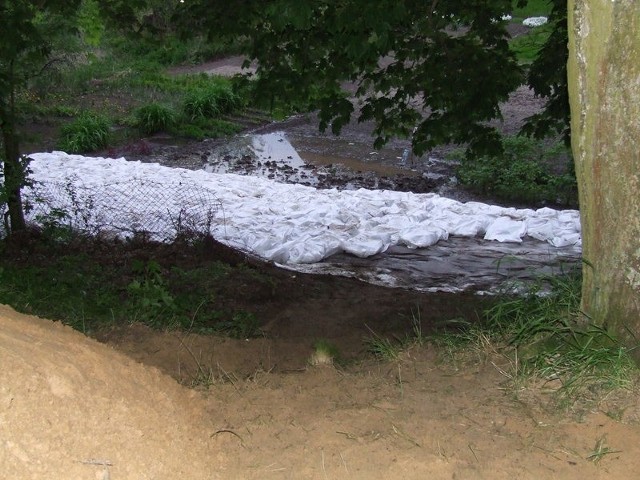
x=604, y=93
x=14, y=175
x=13, y=180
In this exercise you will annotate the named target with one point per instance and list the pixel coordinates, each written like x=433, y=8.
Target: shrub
x=210, y=101
x=522, y=173
x=87, y=133
x=153, y=118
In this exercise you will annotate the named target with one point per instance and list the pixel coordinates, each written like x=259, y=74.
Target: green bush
x=87, y=133
x=153, y=118
x=210, y=101
x=522, y=173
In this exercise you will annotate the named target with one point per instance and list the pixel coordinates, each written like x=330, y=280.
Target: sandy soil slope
x=71, y=407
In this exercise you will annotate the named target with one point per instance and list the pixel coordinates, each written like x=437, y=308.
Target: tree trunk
x=604, y=92
x=13, y=174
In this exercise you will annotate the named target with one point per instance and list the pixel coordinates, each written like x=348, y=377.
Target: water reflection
x=458, y=264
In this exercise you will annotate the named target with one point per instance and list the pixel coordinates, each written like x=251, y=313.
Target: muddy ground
x=147, y=404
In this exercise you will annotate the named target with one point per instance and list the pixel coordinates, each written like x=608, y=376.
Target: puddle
x=308, y=162
x=357, y=157
x=269, y=156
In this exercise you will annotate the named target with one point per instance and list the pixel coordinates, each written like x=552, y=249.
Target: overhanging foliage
x=448, y=59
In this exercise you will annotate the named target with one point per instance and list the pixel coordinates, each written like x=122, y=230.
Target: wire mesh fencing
x=158, y=211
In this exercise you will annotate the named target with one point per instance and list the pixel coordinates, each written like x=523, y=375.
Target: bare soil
x=147, y=404
x=71, y=407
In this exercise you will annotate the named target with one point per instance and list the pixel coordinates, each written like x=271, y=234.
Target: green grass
x=129, y=86
x=90, y=285
x=389, y=348
x=242, y=325
x=210, y=101
x=190, y=107
x=202, y=128
x=526, y=47
x=528, y=171
x=383, y=348
x=69, y=288
x=560, y=344
x=324, y=353
x=87, y=133
x=545, y=337
x=154, y=117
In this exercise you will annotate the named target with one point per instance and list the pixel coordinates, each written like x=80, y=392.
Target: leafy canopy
x=439, y=67
x=548, y=78
x=26, y=37
x=449, y=59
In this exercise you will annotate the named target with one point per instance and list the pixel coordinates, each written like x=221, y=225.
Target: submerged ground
x=142, y=403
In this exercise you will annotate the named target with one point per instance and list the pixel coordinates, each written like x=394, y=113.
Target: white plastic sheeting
x=298, y=224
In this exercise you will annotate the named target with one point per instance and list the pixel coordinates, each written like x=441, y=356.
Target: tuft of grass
x=555, y=342
x=600, y=450
x=154, y=117
x=418, y=336
x=462, y=343
x=324, y=353
x=210, y=101
x=541, y=339
x=381, y=347
x=87, y=133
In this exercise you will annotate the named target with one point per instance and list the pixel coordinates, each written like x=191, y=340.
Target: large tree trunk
x=604, y=92
x=13, y=176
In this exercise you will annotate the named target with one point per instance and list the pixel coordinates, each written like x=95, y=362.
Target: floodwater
x=458, y=264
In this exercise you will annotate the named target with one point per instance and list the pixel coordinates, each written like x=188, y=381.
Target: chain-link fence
x=159, y=211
